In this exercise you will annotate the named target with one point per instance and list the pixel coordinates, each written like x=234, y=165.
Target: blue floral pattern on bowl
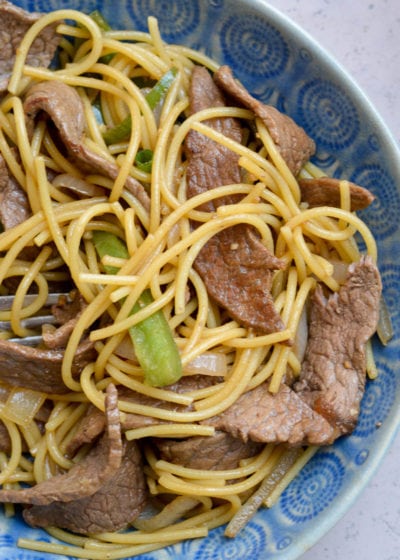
x=284, y=67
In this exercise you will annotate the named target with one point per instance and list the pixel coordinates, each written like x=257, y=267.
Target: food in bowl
x=211, y=339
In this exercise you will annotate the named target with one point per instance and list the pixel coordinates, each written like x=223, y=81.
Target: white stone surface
x=364, y=37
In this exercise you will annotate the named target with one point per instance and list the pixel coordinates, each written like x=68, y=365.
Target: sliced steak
x=14, y=23
x=40, y=369
x=238, y=270
x=294, y=145
x=62, y=104
x=219, y=452
x=14, y=204
x=210, y=164
x=90, y=427
x=333, y=374
x=284, y=417
x=235, y=266
x=325, y=191
x=116, y=504
x=86, y=477
x=67, y=314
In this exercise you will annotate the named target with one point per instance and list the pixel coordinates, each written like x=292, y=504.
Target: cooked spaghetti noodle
x=161, y=246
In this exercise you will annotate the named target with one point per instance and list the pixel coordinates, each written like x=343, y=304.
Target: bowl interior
x=284, y=67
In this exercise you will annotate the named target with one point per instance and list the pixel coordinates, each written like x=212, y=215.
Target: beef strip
x=14, y=204
x=89, y=428
x=14, y=23
x=86, y=477
x=116, y=504
x=235, y=266
x=40, y=369
x=62, y=104
x=218, y=452
x=325, y=191
x=332, y=378
x=284, y=417
x=67, y=314
x=294, y=145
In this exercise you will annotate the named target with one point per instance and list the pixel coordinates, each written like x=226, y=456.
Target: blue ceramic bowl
x=284, y=67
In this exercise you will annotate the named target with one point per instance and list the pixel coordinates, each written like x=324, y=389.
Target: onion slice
x=208, y=363
x=22, y=406
x=385, y=327
x=78, y=186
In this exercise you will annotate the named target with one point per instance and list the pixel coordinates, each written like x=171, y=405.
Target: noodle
x=161, y=248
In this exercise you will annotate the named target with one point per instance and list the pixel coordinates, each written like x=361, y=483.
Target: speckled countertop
x=364, y=37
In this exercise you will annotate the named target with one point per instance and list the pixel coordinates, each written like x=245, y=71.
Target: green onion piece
x=144, y=160
x=101, y=21
x=152, y=338
x=153, y=98
x=119, y=132
x=159, y=90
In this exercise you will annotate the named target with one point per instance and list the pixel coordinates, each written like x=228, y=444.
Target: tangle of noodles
x=162, y=246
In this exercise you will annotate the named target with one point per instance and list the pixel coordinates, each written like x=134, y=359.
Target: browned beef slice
x=234, y=265
x=237, y=271
x=67, y=314
x=14, y=204
x=118, y=502
x=90, y=427
x=284, y=417
x=86, y=477
x=210, y=164
x=219, y=452
x=294, y=145
x=64, y=107
x=40, y=369
x=14, y=23
x=325, y=191
x=332, y=378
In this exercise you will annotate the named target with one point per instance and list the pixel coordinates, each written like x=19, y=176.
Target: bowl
x=284, y=67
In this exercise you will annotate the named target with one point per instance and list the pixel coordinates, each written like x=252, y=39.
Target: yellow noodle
x=30, y=275
x=252, y=466
x=278, y=160
x=16, y=450
x=169, y=430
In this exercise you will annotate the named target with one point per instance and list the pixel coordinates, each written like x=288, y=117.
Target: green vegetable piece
x=153, y=98
x=144, y=160
x=119, y=132
x=152, y=338
x=159, y=90
x=101, y=21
